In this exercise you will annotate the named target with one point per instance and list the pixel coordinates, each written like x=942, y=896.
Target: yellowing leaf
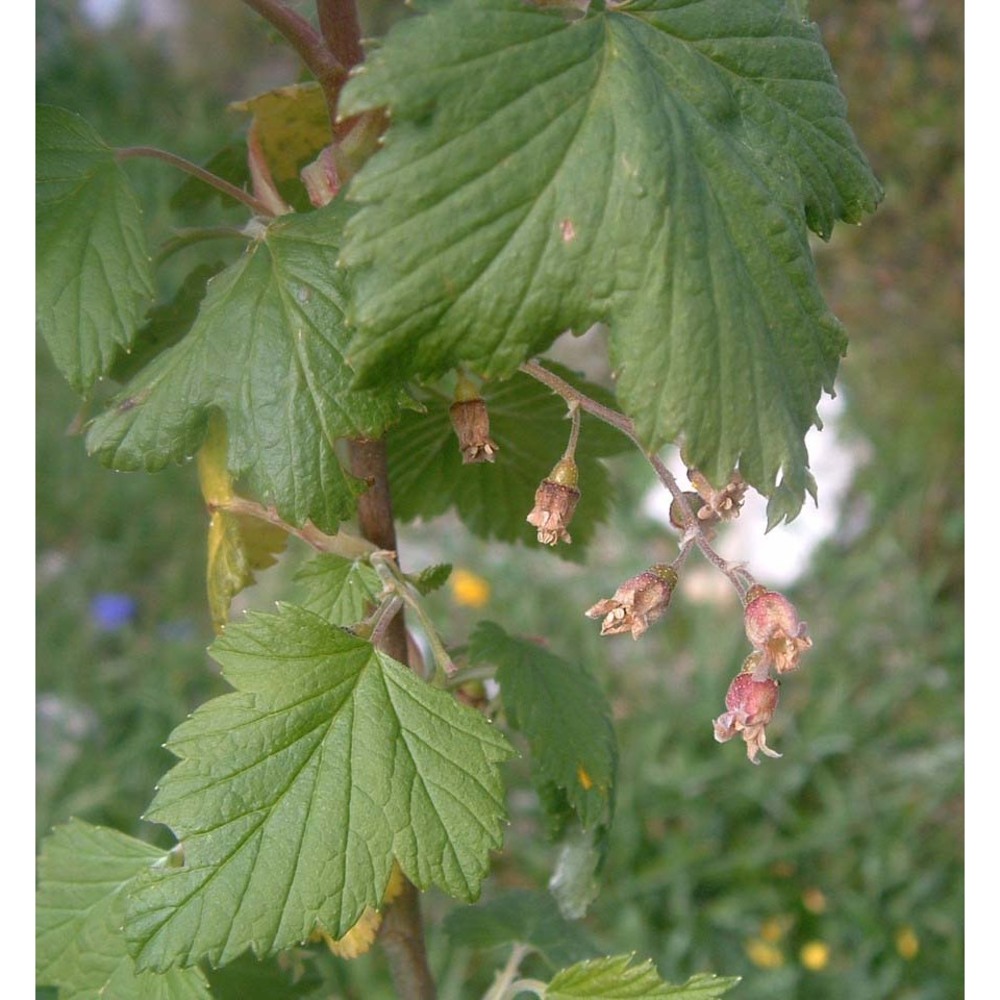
x=293, y=125
x=237, y=544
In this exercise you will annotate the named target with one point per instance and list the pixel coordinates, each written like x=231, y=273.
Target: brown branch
x=338, y=21
x=402, y=932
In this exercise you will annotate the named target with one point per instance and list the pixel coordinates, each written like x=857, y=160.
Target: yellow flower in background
x=814, y=900
x=763, y=954
x=815, y=955
x=774, y=928
x=469, y=590
x=907, y=943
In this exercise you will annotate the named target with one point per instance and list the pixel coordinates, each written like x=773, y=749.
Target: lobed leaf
x=562, y=711
x=266, y=351
x=654, y=165
x=528, y=423
x=84, y=872
x=92, y=269
x=295, y=793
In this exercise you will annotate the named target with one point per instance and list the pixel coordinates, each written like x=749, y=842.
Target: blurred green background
x=836, y=872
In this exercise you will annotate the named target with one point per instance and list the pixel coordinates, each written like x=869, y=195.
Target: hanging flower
x=750, y=705
x=773, y=627
x=471, y=421
x=637, y=603
x=555, y=501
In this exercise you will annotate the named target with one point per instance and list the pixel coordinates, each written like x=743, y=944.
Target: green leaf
x=431, y=578
x=93, y=275
x=166, y=323
x=655, y=166
x=83, y=873
x=616, y=977
x=265, y=351
x=278, y=978
x=528, y=423
x=561, y=709
x=343, y=591
x=529, y=917
x=295, y=793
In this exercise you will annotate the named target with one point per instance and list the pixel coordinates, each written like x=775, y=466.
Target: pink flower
x=750, y=707
x=773, y=628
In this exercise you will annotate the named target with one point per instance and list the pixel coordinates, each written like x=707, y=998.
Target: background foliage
x=834, y=872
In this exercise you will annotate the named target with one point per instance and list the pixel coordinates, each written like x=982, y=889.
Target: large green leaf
x=93, y=274
x=83, y=873
x=654, y=165
x=267, y=351
x=561, y=709
x=529, y=424
x=616, y=977
x=295, y=793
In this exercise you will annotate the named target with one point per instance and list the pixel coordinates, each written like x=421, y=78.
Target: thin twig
x=151, y=152
x=574, y=432
x=500, y=988
x=622, y=423
x=347, y=546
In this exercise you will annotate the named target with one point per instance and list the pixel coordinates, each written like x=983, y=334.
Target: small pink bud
x=773, y=627
x=750, y=704
x=637, y=603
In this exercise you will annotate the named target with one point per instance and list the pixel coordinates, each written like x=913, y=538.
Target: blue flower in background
x=110, y=612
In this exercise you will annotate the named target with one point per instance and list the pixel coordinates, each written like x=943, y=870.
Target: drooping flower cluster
x=779, y=640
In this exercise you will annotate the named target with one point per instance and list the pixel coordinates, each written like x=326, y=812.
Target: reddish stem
x=313, y=48
x=151, y=152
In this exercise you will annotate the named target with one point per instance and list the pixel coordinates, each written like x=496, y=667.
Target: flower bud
x=773, y=627
x=695, y=505
x=637, y=603
x=750, y=705
x=471, y=421
x=555, y=501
